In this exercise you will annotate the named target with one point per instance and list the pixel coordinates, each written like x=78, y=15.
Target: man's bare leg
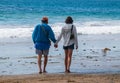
x=39, y=63
x=45, y=63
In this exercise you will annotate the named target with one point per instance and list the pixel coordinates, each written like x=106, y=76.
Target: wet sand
x=61, y=78
x=17, y=56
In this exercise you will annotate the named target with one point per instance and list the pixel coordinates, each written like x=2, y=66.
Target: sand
x=61, y=78
x=88, y=62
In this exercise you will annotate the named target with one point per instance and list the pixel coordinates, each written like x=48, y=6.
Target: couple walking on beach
x=43, y=35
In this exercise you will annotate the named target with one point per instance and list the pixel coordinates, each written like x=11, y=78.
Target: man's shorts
x=68, y=47
x=44, y=52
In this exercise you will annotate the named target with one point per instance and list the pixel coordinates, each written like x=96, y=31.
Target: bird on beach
x=105, y=50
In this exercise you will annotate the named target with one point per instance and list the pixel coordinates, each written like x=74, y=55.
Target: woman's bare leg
x=69, y=59
x=65, y=62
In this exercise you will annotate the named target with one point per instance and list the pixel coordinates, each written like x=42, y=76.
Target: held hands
x=55, y=45
x=76, y=47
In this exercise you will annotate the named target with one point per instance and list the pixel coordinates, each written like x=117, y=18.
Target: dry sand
x=61, y=78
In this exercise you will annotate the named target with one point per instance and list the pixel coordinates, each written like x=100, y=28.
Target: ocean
x=97, y=23
x=90, y=16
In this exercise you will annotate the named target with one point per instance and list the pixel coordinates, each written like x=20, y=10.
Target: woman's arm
x=60, y=36
x=75, y=35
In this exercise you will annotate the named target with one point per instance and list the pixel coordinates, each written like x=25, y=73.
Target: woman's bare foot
x=67, y=71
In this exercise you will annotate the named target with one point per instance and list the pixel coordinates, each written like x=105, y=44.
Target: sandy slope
x=61, y=78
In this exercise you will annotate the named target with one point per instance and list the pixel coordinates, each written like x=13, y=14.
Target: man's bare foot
x=40, y=72
x=44, y=71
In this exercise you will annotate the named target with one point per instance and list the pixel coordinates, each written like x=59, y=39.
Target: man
x=41, y=35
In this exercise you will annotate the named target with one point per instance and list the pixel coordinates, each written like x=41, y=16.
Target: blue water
x=29, y=12
x=17, y=21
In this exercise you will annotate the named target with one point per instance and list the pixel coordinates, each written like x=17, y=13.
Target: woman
x=68, y=30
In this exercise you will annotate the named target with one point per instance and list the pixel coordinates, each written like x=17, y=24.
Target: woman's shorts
x=68, y=47
x=42, y=52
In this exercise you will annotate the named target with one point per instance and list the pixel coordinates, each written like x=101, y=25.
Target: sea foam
x=92, y=27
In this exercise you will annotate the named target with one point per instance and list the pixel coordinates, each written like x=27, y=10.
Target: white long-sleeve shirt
x=66, y=32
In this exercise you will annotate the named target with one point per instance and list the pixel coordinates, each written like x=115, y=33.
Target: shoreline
x=61, y=78
x=20, y=58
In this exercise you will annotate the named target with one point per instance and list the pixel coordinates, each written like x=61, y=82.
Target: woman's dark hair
x=69, y=20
